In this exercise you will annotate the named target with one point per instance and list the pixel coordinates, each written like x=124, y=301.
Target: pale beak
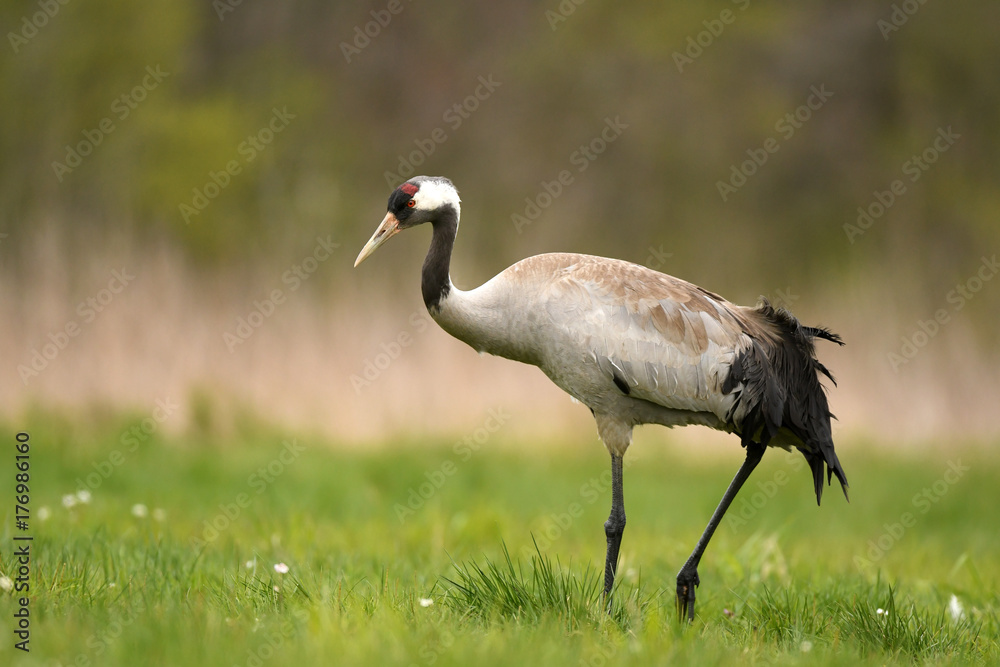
x=385, y=231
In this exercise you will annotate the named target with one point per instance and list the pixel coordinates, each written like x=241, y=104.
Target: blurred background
x=184, y=187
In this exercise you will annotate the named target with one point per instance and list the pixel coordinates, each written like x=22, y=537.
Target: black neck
x=435, y=282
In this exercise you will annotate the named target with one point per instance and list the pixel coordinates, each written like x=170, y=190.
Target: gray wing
x=671, y=342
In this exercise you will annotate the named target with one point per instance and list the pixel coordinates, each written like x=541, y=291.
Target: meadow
x=260, y=547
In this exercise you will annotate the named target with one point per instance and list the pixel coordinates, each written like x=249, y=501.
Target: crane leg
x=614, y=527
x=687, y=578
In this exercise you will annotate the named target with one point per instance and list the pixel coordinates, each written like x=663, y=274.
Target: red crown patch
x=409, y=188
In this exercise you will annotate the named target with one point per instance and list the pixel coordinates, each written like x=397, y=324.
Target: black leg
x=687, y=578
x=614, y=527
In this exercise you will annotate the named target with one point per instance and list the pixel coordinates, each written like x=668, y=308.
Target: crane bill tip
x=388, y=228
x=363, y=255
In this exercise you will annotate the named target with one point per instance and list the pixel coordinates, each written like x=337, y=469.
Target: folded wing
x=667, y=341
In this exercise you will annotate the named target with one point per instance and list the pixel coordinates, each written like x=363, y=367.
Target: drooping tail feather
x=821, y=332
x=780, y=375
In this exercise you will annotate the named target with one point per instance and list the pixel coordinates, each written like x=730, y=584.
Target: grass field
x=400, y=555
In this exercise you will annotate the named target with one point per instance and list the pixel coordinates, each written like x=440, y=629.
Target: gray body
x=634, y=345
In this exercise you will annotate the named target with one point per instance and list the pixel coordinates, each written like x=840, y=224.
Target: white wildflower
x=6, y=583
x=160, y=514
x=955, y=609
x=806, y=646
x=44, y=513
x=281, y=568
x=83, y=496
x=69, y=500
x=140, y=511
x=426, y=602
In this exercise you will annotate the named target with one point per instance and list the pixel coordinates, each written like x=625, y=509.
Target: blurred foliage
x=356, y=112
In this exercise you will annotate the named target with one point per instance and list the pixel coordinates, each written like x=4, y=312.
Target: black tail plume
x=781, y=376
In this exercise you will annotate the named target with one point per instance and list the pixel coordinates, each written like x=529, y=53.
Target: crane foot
x=687, y=581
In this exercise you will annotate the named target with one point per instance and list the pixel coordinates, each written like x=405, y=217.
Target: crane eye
x=411, y=203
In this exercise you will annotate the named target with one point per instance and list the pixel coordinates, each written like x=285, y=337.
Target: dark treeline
x=795, y=142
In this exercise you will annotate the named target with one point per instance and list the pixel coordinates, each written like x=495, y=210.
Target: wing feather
x=671, y=342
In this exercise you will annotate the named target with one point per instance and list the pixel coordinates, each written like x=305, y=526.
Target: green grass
x=509, y=547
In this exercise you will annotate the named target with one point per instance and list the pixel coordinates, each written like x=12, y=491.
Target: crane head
x=420, y=199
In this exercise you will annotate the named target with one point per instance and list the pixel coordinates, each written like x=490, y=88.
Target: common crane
x=637, y=347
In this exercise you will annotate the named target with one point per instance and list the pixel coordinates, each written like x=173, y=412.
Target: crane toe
x=687, y=581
